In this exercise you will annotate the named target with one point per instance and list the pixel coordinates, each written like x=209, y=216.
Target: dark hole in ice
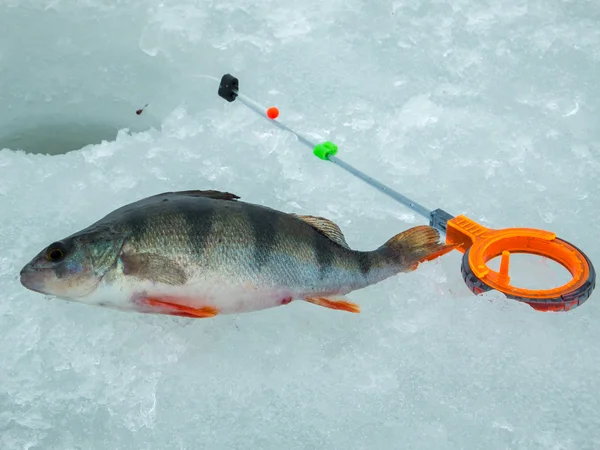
x=57, y=139
x=61, y=138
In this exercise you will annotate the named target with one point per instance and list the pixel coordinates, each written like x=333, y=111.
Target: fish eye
x=55, y=252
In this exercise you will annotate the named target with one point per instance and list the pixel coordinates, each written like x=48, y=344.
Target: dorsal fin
x=326, y=227
x=217, y=195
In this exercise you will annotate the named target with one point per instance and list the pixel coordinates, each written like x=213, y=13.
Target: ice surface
x=484, y=108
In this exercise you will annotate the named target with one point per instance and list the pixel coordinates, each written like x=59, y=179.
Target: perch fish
x=203, y=253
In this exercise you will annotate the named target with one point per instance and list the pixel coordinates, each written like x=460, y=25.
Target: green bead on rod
x=325, y=150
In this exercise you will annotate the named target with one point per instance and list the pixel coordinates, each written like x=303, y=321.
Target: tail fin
x=414, y=246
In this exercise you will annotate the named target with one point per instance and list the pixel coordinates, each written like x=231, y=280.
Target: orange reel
x=480, y=244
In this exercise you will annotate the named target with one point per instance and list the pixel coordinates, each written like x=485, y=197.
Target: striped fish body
x=202, y=253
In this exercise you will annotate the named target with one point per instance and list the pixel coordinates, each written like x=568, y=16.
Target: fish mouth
x=34, y=279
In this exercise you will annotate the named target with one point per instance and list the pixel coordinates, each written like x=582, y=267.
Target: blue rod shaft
x=334, y=159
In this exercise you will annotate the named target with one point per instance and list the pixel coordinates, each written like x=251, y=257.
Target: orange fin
x=415, y=246
x=341, y=305
x=164, y=306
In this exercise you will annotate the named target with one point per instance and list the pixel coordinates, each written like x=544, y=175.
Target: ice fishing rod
x=478, y=244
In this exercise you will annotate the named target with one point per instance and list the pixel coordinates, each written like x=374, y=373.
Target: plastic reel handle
x=480, y=244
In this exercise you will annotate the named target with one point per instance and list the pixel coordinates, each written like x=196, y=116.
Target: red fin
x=171, y=307
x=341, y=305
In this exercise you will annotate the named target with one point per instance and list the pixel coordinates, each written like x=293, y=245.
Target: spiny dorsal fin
x=217, y=195
x=326, y=227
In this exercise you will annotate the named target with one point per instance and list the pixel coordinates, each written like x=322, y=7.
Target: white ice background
x=486, y=108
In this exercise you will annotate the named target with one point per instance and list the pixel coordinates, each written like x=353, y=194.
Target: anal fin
x=339, y=303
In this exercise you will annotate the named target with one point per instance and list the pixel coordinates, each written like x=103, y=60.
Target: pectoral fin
x=172, y=307
x=153, y=267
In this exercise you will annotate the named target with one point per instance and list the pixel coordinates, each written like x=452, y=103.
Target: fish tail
x=408, y=249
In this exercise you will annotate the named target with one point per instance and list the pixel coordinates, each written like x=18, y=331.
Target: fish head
x=72, y=268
